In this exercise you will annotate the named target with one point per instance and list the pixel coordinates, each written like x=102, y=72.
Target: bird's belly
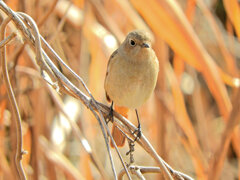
x=131, y=86
x=133, y=94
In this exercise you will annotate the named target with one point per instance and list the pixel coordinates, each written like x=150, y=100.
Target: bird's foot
x=138, y=132
x=109, y=117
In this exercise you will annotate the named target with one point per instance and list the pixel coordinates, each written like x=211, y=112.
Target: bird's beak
x=145, y=45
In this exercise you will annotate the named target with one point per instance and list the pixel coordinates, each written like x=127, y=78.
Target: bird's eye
x=132, y=42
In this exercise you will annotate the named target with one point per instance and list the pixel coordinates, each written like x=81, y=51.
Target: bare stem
x=17, y=117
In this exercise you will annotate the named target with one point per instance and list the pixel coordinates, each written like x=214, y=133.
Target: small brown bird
x=131, y=76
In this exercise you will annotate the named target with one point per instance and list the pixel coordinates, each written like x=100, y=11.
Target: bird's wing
x=110, y=60
x=112, y=57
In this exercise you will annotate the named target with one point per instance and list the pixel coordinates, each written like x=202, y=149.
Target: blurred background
x=197, y=45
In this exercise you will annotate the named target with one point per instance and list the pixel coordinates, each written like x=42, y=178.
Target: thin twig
x=17, y=117
x=7, y=39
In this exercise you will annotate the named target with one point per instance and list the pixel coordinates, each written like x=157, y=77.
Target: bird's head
x=137, y=44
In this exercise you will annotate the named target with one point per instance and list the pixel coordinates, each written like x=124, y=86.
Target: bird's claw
x=138, y=132
x=110, y=115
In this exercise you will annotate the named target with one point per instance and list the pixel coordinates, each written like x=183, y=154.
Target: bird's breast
x=130, y=83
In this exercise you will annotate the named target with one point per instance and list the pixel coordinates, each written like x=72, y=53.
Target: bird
x=131, y=77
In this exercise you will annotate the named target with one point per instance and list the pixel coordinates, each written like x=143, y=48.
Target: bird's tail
x=118, y=136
